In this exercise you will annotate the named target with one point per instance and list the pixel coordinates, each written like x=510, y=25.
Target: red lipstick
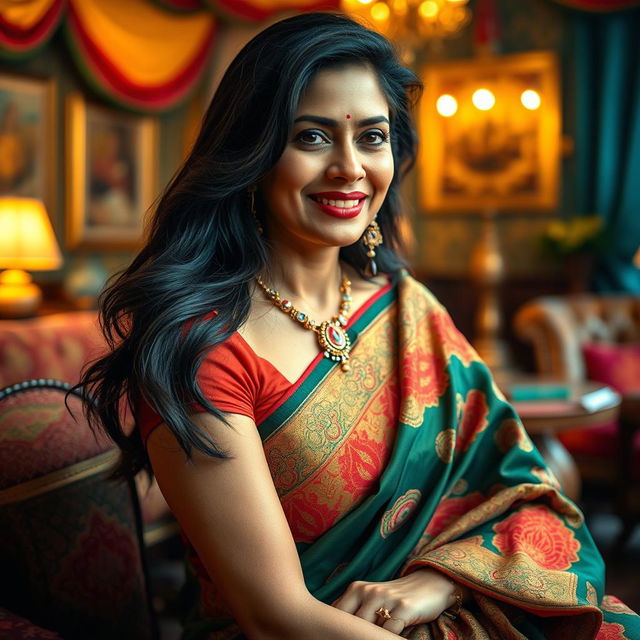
x=340, y=195
x=339, y=212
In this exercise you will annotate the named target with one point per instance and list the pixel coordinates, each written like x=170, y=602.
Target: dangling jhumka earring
x=372, y=238
x=252, y=208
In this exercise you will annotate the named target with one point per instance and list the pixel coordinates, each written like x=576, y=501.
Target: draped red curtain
x=26, y=26
x=145, y=55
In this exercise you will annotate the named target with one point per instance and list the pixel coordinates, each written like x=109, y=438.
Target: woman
x=336, y=454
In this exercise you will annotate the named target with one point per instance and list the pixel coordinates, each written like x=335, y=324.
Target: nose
x=346, y=164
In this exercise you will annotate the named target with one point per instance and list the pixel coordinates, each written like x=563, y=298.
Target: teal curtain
x=607, y=110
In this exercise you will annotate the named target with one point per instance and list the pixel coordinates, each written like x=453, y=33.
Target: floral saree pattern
x=414, y=459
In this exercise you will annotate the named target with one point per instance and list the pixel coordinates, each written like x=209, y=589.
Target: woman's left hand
x=416, y=598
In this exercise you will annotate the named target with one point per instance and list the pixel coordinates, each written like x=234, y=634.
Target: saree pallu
x=414, y=459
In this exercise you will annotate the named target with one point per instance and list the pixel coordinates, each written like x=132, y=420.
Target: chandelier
x=411, y=23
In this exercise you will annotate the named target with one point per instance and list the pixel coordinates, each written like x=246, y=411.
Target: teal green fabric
x=606, y=100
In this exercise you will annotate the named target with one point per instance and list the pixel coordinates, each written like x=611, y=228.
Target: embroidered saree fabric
x=412, y=459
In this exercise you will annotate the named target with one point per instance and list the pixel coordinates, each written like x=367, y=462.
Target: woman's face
x=334, y=173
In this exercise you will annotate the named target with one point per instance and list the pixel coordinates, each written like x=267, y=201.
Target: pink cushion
x=616, y=365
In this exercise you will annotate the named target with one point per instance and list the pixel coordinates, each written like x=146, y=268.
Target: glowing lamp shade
x=27, y=241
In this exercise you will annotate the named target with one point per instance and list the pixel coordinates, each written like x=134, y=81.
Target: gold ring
x=384, y=613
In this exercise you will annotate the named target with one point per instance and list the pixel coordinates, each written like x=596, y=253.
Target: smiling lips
x=339, y=204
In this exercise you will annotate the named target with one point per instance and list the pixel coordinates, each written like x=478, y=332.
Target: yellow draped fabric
x=25, y=15
x=147, y=44
x=26, y=25
x=142, y=54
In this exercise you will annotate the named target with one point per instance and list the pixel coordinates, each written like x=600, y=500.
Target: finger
x=347, y=602
x=350, y=600
x=395, y=625
x=368, y=611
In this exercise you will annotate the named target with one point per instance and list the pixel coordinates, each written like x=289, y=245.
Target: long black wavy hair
x=203, y=249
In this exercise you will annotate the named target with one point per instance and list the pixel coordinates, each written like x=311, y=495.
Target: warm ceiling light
x=483, y=99
x=446, y=105
x=428, y=9
x=380, y=12
x=411, y=24
x=530, y=99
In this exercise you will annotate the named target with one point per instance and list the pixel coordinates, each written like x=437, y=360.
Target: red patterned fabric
x=55, y=346
x=39, y=435
x=70, y=548
x=13, y=627
x=541, y=534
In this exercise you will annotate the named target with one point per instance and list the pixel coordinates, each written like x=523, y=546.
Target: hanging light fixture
x=411, y=23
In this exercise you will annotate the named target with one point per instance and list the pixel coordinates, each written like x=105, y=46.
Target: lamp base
x=19, y=296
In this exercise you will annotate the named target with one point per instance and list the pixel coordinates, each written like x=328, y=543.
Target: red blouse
x=237, y=380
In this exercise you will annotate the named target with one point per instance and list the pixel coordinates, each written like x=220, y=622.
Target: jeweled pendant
x=334, y=342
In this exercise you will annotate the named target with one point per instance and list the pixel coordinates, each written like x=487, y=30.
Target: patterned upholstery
x=57, y=346
x=71, y=556
x=13, y=627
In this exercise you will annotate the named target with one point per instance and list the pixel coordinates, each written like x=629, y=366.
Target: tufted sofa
x=590, y=336
x=57, y=346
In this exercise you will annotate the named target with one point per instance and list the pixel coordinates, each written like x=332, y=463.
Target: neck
x=313, y=278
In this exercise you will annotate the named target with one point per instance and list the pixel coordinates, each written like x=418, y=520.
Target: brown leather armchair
x=558, y=328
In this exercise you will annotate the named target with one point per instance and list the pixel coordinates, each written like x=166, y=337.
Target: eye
x=312, y=138
x=374, y=137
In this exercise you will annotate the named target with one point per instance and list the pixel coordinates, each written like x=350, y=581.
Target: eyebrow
x=329, y=122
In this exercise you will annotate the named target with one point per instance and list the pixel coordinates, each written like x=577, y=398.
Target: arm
x=232, y=515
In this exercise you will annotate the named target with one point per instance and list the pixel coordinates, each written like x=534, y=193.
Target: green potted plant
x=575, y=242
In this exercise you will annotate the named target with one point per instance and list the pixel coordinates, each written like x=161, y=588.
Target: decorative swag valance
x=143, y=54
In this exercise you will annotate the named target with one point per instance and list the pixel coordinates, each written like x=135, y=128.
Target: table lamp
x=27, y=241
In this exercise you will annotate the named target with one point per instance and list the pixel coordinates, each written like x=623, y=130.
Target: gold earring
x=252, y=208
x=372, y=238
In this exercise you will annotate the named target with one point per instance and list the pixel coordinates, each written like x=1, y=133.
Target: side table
x=544, y=419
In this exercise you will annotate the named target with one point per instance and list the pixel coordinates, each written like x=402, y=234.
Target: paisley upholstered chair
x=72, y=561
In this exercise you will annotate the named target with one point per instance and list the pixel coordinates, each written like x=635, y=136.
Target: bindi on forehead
x=348, y=116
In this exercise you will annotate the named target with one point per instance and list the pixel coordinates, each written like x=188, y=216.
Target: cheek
x=384, y=173
x=291, y=173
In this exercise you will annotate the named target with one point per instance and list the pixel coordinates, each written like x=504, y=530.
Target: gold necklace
x=332, y=338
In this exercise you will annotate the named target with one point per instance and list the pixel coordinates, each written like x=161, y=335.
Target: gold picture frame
x=502, y=157
x=111, y=160
x=27, y=141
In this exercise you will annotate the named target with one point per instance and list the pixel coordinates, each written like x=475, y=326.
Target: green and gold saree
x=414, y=458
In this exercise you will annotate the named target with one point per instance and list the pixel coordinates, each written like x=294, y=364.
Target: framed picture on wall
x=490, y=134
x=111, y=174
x=26, y=137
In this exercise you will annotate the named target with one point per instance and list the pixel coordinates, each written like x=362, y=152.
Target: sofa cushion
x=39, y=435
x=616, y=365
x=55, y=346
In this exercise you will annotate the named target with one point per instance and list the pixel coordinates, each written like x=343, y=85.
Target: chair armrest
x=547, y=324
